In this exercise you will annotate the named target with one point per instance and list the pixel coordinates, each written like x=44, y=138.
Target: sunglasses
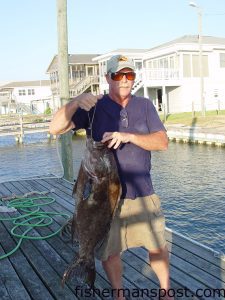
x=124, y=118
x=119, y=75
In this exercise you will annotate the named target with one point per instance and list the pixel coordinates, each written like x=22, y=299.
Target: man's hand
x=115, y=138
x=86, y=101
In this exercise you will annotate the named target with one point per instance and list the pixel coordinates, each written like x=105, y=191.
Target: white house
x=26, y=96
x=170, y=73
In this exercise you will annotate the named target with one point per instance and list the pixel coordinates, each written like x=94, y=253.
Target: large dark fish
x=97, y=192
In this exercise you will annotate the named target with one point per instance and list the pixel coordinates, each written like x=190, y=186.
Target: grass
x=211, y=119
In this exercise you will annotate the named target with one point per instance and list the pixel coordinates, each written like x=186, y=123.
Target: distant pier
x=20, y=130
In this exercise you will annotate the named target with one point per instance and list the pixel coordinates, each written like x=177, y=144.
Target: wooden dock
x=18, y=131
x=35, y=270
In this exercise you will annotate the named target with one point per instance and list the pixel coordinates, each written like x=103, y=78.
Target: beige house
x=83, y=75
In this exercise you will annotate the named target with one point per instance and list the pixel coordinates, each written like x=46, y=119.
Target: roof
x=73, y=59
x=124, y=51
x=26, y=83
x=192, y=39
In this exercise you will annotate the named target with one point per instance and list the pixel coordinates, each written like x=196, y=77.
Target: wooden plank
x=67, y=186
x=3, y=291
x=177, y=274
x=42, y=186
x=196, y=260
x=55, y=185
x=194, y=248
x=8, y=275
x=142, y=266
x=4, y=191
x=24, y=271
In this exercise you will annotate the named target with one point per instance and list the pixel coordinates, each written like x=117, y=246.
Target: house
x=83, y=76
x=26, y=97
x=170, y=74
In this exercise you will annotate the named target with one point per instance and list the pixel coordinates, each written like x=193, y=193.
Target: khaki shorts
x=138, y=222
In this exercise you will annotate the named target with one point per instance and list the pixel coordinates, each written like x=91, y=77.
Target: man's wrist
x=131, y=138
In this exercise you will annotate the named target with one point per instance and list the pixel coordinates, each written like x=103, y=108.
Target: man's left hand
x=115, y=138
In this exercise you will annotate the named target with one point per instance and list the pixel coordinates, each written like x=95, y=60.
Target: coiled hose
x=31, y=217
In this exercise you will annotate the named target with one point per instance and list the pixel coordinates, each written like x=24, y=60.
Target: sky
x=28, y=29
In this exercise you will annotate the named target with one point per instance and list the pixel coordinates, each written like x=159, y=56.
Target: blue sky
x=28, y=29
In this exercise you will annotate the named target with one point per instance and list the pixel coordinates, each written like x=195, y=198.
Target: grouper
x=97, y=193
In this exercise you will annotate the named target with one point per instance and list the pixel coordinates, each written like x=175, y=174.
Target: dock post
x=66, y=141
x=21, y=135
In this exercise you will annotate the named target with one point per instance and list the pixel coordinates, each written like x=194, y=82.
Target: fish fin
x=65, y=232
x=74, y=188
x=87, y=189
x=68, y=231
x=74, y=232
x=83, y=270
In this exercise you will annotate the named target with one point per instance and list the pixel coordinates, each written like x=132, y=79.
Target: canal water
x=190, y=179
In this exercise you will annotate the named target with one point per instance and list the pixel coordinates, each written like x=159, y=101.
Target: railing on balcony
x=160, y=74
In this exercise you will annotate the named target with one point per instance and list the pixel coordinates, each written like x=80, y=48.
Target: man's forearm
x=61, y=121
x=153, y=141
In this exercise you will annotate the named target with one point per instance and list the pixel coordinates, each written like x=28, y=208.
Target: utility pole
x=66, y=141
x=200, y=61
x=202, y=96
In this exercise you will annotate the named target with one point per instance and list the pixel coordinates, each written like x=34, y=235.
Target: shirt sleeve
x=80, y=119
x=153, y=121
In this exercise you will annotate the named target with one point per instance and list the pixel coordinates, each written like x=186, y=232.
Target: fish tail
x=83, y=270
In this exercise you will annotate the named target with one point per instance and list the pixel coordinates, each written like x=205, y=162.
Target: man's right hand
x=87, y=100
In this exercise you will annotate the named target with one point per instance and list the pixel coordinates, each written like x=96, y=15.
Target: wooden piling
x=66, y=141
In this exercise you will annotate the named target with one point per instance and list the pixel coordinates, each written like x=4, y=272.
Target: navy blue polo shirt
x=134, y=163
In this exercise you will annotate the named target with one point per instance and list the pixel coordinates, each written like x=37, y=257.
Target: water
x=190, y=179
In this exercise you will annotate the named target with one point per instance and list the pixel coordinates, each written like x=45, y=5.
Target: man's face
x=122, y=88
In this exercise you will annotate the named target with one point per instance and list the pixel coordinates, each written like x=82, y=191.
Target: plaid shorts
x=137, y=223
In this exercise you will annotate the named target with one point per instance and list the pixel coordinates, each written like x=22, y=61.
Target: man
x=131, y=127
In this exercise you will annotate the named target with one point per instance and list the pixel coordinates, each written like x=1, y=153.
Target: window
x=31, y=92
x=195, y=66
x=187, y=65
x=22, y=92
x=191, y=67
x=138, y=65
x=222, y=60
x=205, y=66
x=171, y=62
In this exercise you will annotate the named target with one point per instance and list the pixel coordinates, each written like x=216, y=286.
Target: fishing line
x=30, y=218
x=91, y=121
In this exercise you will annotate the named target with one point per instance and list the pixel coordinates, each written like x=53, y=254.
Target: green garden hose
x=32, y=217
